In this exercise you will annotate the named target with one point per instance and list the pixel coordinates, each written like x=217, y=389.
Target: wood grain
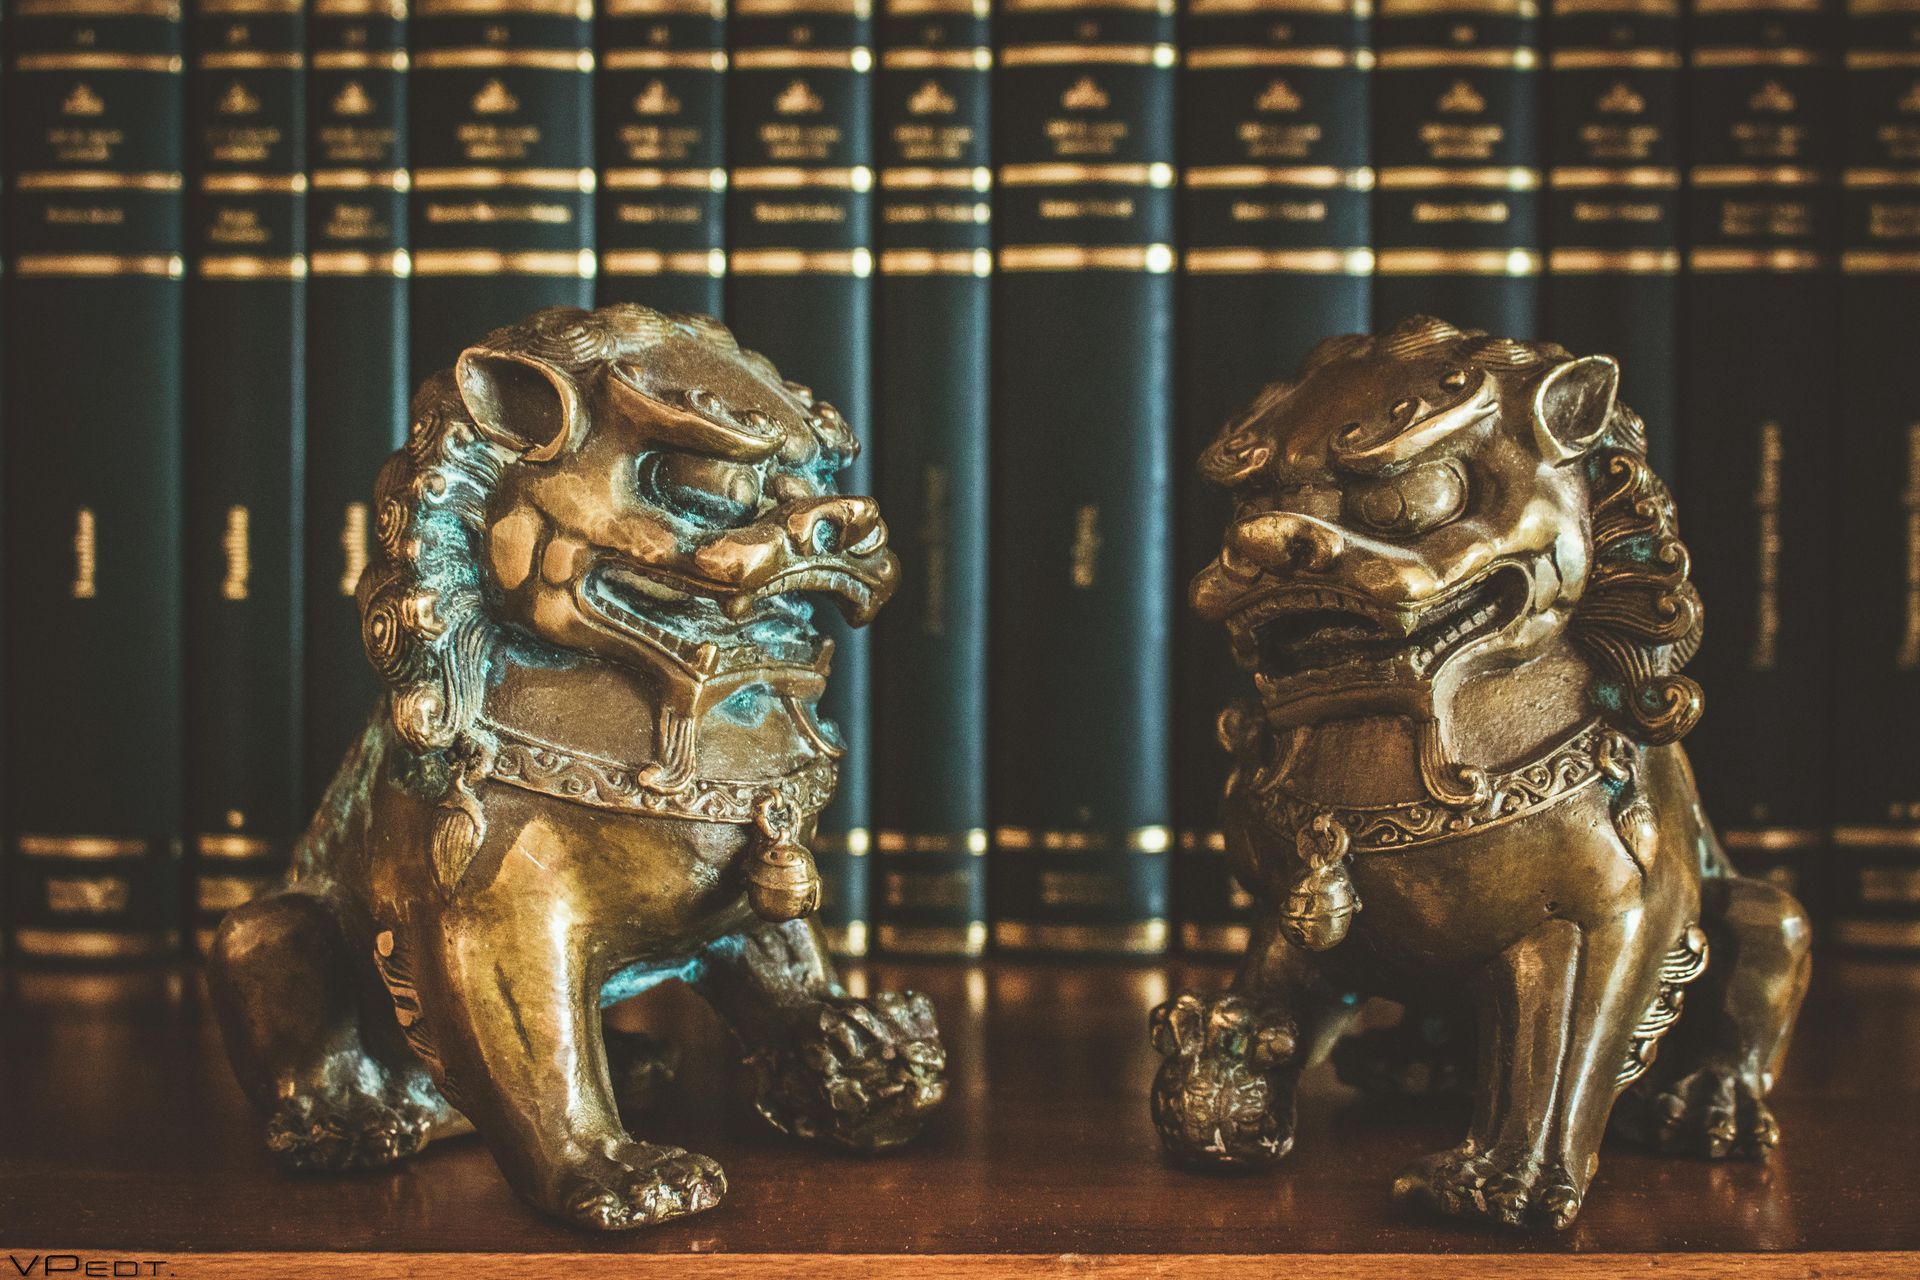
x=122, y=1134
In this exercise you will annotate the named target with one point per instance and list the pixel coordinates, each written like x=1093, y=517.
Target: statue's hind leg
x=864, y=1073
x=1705, y=1093
x=314, y=1046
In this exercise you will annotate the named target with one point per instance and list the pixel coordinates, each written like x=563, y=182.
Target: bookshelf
x=123, y=1136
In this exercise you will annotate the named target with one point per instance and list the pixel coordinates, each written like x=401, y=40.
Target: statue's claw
x=1223, y=1097
x=863, y=1073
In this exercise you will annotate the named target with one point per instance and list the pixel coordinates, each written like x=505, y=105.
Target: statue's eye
x=705, y=491
x=1454, y=379
x=1414, y=501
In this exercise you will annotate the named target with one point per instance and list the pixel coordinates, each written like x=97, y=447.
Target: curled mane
x=424, y=616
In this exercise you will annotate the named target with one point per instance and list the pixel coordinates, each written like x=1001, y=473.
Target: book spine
x=500, y=136
x=1757, y=454
x=1876, y=835
x=1613, y=199
x=356, y=344
x=1081, y=530
x=799, y=290
x=661, y=118
x=92, y=479
x=1276, y=255
x=1457, y=138
x=245, y=441
x=931, y=403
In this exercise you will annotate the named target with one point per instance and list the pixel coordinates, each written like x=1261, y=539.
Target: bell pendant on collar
x=1321, y=902
x=783, y=883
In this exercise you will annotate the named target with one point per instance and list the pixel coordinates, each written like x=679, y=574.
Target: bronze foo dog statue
x=1465, y=606
x=596, y=766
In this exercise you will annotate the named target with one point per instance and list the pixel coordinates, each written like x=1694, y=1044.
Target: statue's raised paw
x=864, y=1073
x=1513, y=1188
x=336, y=1130
x=1220, y=1098
x=1711, y=1113
x=639, y=1184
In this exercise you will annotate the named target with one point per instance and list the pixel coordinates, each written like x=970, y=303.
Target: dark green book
x=1457, y=138
x=1758, y=450
x=661, y=88
x=92, y=478
x=356, y=344
x=1613, y=199
x=500, y=136
x=244, y=376
x=1876, y=761
x=1082, y=508
x=799, y=290
x=1275, y=255
x=930, y=407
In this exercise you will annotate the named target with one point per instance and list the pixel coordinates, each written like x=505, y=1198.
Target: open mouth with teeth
x=1321, y=639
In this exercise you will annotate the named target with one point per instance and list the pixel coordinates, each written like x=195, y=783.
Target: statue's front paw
x=1512, y=1188
x=333, y=1130
x=637, y=1184
x=864, y=1073
x=1711, y=1113
x=1223, y=1096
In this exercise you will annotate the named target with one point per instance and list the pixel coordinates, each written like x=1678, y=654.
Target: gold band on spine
x=1773, y=839
x=581, y=180
x=395, y=9
x=801, y=262
x=1584, y=59
x=1733, y=57
x=1746, y=175
x=1155, y=259
x=661, y=8
x=849, y=939
x=1757, y=6
x=930, y=262
x=565, y=263
x=166, y=63
x=250, y=60
x=581, y=9
x=1232, y=56
x=665, y=59
x=31, y=845
x=397, y=263
x=1770, y=260
x=1878, y=935
x=246, y=266
x=933, y=939
x=1249, y=261
x=1878, y=262
x=838, y=8
x=1142, y=937
x=285, y=184
x=1215, y=939
x=1658, y=8
x=172, y=266
x=1203, y=842
x=922, y=179
x=361, y=180
x=1052, y=55
x=93, y=944
x=1882, y=59
x=783, y=59
x=773, y=178
x=1056, y=175
x=1646, y=177
x=1207, y=8
x=974, y=59
x=96, y=8
x=224, y=845
x=1457, y=262
x=359, y=60
x=1251, y=175
x=1427, y=8
x=95, y=180
x=1046, y=6
x=1881, y=178
x=1503, y=179
x=655, y=179
x=972, y=841
x=246, y=6
x=1641, y=262
x=1866, y=837
x=648, y=262
x=855, y=843
x=1153, y=839
x=534, y=59
x=1521, y=59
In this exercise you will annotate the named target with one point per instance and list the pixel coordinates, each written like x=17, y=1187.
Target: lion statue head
x=620, y=483
x=1434, y=505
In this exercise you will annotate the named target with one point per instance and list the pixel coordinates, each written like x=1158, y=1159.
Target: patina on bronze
x=597, y=766
x=1465, y=605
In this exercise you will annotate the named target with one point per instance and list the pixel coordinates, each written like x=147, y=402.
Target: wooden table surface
x=122, y=1136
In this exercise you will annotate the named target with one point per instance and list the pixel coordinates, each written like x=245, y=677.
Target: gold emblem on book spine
x=1462, y=597
x=82, y=101
x=598, y=763
x=237, y=554
x=85, y=555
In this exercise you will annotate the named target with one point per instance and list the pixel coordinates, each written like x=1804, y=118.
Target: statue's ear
x=1572, y=404
x=520, y=402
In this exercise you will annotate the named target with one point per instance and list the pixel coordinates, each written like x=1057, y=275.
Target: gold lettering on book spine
x=84, y=555
x=239, y=557
x=1765, y=652
x=1909, y=655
